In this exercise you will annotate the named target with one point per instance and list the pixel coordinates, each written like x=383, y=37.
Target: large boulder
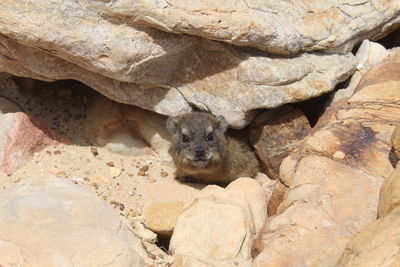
x=303, y=25
x=378, y=244
x=158, y=71
x=220, y=226
x=331, y=182
x=53, y=222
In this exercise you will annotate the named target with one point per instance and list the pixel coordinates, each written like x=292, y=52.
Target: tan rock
x=220, y=225
x=164, y=201
x=107, y=127
x=37, y=215
x=303, y=25
x=389, y=197
x=332, y=180
x=368, y=54
x=396, y=141
x=162, y=72
x=275, y=133
x=378, y=244
x=151, y=127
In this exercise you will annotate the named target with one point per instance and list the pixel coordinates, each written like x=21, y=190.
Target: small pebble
x=114, y=172
x=145, y=168
x=164, y=174
x=94, y=151
x=110, y=164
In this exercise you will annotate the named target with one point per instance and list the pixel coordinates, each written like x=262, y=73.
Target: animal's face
x=198, y=140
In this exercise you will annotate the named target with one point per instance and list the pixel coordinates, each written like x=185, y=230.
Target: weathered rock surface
x=164, y=201
x=378, y=244
x=275, y=133
x=389, y=197
x=303, y=25
x=368, y=54
x=154, y=70
x=396, y=141
x=52, y=222
x=21, y=135
x=332, y=180
x=220, y=226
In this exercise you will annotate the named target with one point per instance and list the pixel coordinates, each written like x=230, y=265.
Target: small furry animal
x=203, y=152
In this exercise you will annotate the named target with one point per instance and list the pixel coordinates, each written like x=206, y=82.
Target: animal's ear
x=221, y=123
x=172, y=125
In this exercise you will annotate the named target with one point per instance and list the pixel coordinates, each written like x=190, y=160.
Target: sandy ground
x=119, y=180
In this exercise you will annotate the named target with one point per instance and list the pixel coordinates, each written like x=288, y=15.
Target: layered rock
x=303, y=25
x=331, y=182
x=158, y=71
x=220, y=226
x=53, y=222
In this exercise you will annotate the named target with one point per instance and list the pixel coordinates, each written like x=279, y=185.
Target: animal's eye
x=210, y=137
x=185, y=138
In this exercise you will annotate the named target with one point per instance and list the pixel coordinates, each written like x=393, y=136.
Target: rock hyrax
x=203, y=152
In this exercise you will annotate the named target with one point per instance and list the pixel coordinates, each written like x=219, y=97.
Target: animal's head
x=198, y=140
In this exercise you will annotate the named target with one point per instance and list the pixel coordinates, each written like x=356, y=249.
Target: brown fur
x=226, y=157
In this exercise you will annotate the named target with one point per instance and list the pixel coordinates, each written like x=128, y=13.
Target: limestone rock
x=52, y=222
x=21, y=135
x=378, y=244
x=164, y=201
x=275, y=133
x=303, y=25
x=389, y=197
x=220, y=225
x=332, y=181
x=162, y=72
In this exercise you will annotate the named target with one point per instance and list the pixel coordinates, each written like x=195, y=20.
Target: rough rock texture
x=368, y=54
x=331, y=185
x=220, y=226
x=274, y=133
x=52, y=222
x=164, y=201
x=389, y=197
x=20, y=136
x=154, y=70
x=303, y=25
x=378, y=244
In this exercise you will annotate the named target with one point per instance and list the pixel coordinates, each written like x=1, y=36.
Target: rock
x=151, y=127
x=162, y=72
x=378, y=244
x=332, y=180
x=389, y=197
x=303, y=25
x=164, y=201
x=21, y=136
x=274, y=133
x=219, y=226
x=37, y=215
x=368, y=55
x=396, y=141
x=106, y=126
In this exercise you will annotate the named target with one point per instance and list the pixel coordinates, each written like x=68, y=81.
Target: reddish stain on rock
x=21, y=135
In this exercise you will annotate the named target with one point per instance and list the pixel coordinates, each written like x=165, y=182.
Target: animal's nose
x=199, y=153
